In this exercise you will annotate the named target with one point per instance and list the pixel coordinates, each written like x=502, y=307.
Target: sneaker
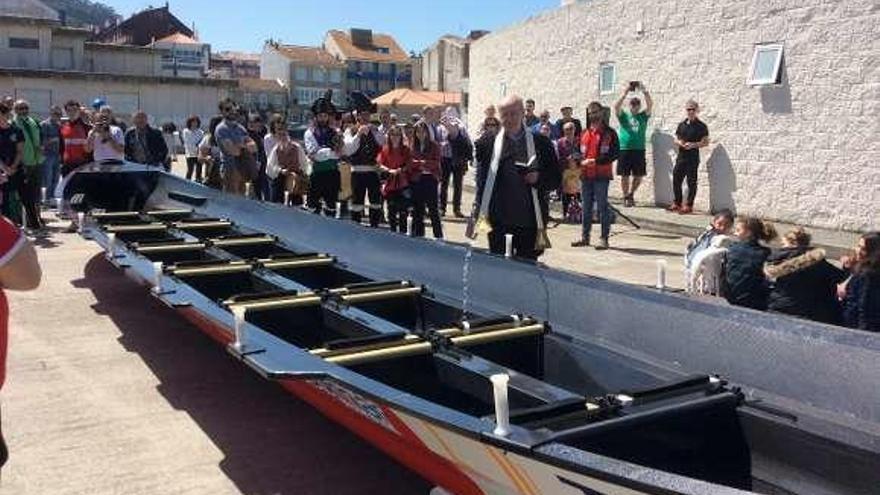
x=581, y=243
x=686, y=209
x=603, y=244
x=628, y=201
x=674, y=207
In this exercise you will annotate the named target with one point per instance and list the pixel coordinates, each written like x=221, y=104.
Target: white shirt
x=191, y=140
x=104, y=151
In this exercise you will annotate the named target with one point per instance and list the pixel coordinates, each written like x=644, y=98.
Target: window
x=606, y=78
x=336, y=76
x=319, y=74
x=382, y=49
x=302, y=74
x=62, y=58
x=766, y=65
x=263, y=98
x=24, y=43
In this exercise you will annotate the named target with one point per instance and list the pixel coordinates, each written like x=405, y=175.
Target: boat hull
x=796, y=391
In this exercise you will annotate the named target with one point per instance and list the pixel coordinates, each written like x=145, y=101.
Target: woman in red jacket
x=394, y=160
x=424, y=178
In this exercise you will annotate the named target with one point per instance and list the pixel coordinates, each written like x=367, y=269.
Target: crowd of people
x=36, y=155
x=347, y=164
x=399, y=173
x=732, y=259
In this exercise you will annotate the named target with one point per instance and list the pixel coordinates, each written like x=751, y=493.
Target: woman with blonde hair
x=803, y=282
x=744, y=278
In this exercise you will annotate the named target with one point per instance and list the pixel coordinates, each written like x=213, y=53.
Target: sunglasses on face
x=691, y=109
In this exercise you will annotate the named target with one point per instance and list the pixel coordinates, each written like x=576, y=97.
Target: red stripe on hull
x=406, y=448
x=209, y=327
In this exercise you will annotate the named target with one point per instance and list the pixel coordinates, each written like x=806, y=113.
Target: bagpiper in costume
x=323, y=145
x=362, y=146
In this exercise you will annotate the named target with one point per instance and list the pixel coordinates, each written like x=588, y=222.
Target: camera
x=634, y=85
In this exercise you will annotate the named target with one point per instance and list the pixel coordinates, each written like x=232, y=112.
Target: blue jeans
x=51, y=172
x=595, y=190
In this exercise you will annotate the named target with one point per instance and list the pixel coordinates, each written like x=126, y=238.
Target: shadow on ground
x=272, y=443
x=645, y=252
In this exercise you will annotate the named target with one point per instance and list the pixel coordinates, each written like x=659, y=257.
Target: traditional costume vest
x=364, y=159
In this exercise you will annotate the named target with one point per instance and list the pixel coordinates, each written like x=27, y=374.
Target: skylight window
x=766, y=65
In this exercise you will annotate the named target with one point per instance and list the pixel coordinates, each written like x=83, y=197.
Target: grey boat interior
x=595, y=367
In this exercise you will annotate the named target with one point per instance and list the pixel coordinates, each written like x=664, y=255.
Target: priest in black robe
x=524, y=170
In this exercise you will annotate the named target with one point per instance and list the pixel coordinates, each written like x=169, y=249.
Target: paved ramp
x=109, y=392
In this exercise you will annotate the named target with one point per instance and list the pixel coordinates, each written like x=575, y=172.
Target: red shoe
x=674, y=207
x=686, y=209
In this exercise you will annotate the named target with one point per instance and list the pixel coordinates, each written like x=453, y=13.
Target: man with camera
x=105, y=141
x=633, y=127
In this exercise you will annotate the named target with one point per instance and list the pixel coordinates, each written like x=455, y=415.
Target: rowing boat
x=547, y=382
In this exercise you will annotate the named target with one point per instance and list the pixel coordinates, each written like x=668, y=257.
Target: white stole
x=489, y=187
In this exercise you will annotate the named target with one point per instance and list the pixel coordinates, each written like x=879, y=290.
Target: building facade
x=183, y=56
x=308, y=72
x=790, y=92
x=235, y=65
x=48, y=63
x=264, y=97
x=375, y=63
x=144, y=28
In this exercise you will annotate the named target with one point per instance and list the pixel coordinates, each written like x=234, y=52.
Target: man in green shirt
x=633, y=125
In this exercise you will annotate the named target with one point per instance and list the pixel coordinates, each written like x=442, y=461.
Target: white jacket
x=706, y=272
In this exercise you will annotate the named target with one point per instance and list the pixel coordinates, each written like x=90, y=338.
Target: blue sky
x=244, y=25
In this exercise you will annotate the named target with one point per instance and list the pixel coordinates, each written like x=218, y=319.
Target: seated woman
x=861, y=302
x=744, y=278
x=803, y=283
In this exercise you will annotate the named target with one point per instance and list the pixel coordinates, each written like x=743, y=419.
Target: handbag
x=296, y=184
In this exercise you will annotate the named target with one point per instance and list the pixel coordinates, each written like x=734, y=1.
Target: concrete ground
x=110, y=393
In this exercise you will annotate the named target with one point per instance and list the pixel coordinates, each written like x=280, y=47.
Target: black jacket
x=861, y=306
x=549, y=175
x=745, y=284
x=462, y=149
x=804, y=284
x=156, y=149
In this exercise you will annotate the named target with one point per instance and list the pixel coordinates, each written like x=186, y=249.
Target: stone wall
x=806, y=151
x=163, y=101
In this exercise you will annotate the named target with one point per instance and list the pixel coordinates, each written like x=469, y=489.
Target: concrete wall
x=162, y=101
x=805, y=151
x=115, y=59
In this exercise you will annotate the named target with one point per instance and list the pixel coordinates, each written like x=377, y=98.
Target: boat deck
x=109, y=392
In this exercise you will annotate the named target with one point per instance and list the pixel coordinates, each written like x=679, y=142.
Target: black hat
x=359, y=102
x=324, y=104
